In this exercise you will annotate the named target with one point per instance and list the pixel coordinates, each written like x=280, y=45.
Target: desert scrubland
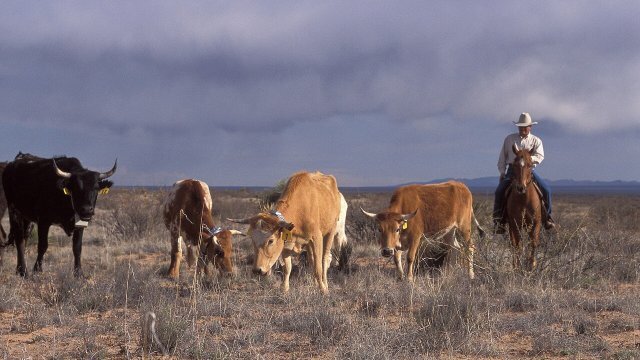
x=583, y=300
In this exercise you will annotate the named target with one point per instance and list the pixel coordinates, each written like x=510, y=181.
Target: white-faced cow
x=57, y=191
x=435, y=211
x=187, y=213
x=306, y=215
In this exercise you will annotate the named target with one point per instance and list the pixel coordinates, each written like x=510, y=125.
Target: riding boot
x=549, y=224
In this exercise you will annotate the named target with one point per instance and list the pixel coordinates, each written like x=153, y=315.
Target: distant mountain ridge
x=564, y=185
x=490, y=181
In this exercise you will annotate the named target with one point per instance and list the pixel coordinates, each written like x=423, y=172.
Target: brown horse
x=524, y=208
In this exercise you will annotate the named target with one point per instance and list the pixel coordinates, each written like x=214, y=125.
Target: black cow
x=3, y=209
x=58, y=191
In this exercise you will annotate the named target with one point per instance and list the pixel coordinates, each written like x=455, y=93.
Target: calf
x=187, y=214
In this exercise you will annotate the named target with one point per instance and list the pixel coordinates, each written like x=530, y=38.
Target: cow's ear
x=62, y=183
x=288, y=226
x=105, y=184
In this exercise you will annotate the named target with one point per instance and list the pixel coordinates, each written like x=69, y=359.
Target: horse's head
x=522, y=167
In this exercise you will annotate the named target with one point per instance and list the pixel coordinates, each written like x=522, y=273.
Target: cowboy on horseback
x=523, y=139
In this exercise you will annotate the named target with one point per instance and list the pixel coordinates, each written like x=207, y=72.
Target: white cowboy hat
x=525, y=120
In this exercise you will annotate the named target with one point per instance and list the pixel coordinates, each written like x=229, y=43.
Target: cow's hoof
x=22, y=272
x=77, y=273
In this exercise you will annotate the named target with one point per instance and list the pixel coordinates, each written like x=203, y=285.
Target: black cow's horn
x=110, y=172
x=60, y=173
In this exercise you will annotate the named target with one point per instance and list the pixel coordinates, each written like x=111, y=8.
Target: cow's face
x=391, y=225
x=83, y=188
x=268, y=233
x=267, y=244
x=219, y=250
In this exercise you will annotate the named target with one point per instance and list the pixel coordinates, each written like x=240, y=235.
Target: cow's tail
x=481, y=231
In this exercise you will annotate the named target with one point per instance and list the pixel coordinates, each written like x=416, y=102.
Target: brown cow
x=306, y=215
x=187, y=212
x=435, y=211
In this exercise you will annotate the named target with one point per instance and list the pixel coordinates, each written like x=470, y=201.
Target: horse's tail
x=481, y=231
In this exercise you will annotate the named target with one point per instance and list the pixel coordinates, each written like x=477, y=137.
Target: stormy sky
x=373, y=92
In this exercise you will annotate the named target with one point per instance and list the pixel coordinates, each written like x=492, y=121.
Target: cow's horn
x=286, y=225
x=371, y=215
x=215, y=240
x=236, y=232
x=110, y=172
x=406, y=217
x=241, y=221
x=60, y=173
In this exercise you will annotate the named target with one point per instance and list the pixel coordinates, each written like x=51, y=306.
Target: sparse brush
x=453, y=319
x=583, y=294
x=344, y=256
x=271, y=196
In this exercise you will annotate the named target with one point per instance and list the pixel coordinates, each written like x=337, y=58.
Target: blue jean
x=498, y=203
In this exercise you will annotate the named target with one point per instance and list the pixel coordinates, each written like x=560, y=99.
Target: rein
x=526, y=185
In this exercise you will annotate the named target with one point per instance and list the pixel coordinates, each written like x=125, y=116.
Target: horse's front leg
x=516, y=246
x=534, y=235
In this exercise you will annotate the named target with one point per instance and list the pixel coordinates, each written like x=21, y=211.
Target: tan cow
x=187, y=214
x=435, y=211
x=306, y=215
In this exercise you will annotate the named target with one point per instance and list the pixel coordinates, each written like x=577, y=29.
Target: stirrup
x=549, y=224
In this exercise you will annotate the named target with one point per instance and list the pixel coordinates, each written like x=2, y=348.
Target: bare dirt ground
x=581, y=302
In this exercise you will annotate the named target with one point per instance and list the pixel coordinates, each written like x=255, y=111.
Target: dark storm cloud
x=170, y=72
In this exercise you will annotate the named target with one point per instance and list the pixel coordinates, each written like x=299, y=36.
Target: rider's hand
x=501, y=178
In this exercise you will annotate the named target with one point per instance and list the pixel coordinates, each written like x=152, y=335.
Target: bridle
x=517, y=175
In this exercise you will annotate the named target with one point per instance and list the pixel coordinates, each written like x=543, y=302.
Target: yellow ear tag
x=66, y=191
x=404, y=225
x=286, y=235
x=104, y=191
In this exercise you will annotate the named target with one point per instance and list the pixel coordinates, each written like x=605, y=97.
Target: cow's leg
x=326, y=257
x=316, y=247
x=43, y=244
x=411, y=258
x=77, y=251
x=468, y=250
x=208, y=256
x=286, y=259
x=18, y=233
x=397, y=259
x=176, y=256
